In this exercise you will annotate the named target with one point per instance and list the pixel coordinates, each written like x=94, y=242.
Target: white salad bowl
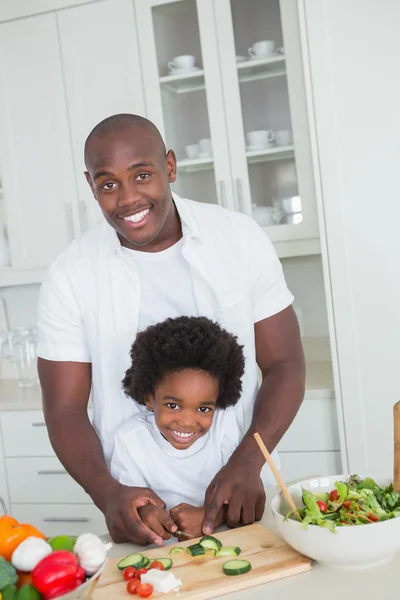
x=351, y=547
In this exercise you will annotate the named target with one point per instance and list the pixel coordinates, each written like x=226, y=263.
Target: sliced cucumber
x=229, y=551
x=177, y=550
x=166, y=562
x=236, y=567
x=133, y=560
x=196, y=550
x=209, y=541
x=146, y=562
x=210, y=552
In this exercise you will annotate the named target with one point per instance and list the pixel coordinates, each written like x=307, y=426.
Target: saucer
x=183, y=71
x=262, y=56
x=204, y=155
x=241, y=58
x=257, y=147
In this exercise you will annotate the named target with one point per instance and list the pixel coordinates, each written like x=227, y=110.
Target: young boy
x=187, y=372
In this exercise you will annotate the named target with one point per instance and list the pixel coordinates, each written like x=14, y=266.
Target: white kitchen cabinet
x=102, y=74
x=228, y=94
x=61, y=519
x=36, y=160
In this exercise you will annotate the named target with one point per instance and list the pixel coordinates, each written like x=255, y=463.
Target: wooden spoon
x=396, y=423
x=276, y=473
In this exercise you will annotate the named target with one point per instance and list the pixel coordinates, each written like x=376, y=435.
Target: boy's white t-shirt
x=142, y=457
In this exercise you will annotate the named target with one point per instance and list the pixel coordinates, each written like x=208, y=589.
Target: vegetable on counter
x=229, y=551
x=196, y=550
x=29, y=552
x=12, y=533
x=57, y=574
x=177, y=550
x=62, y=542
x=357, y=502
x=91, y=551
x=8, y=574
x=132, y=560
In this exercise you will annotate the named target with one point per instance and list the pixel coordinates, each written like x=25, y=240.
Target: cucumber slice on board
x=166, y=562
x=196, y=550
x=146, y=562
x=209, y=541
x=133, y=560
x=229, y=551
x=236, y=567
x=177, y=550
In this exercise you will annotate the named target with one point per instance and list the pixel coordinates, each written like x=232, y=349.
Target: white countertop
x=321, y=583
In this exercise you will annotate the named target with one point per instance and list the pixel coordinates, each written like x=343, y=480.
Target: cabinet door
x=183, y=93
x=102, y=77
x=266, y=112
x=37, y=168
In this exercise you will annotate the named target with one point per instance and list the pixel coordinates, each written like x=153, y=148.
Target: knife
x=179, y=533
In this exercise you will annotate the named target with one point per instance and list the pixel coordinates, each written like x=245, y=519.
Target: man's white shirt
x=96, y=296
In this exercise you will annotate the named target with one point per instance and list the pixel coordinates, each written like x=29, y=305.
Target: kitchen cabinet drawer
x=25, y=433
x=40, y=480
x=302, y=465
x=314, y=428
x=58, y=519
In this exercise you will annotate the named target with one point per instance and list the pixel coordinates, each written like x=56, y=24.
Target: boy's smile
x=184, y=404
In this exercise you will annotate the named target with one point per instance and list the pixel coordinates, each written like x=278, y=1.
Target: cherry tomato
x=334, y=495
x=144, y=590
x=373, y=517
x=140, y=572
x=347, y=503
x=156, y=564
x=132, y=585
x=322, y=506
x=129, y=573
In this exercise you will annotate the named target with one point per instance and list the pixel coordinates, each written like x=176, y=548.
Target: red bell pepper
x=57, y=574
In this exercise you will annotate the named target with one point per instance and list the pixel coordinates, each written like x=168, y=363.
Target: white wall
x=354, y=51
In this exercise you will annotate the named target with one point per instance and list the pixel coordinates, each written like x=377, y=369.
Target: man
x=158, y=256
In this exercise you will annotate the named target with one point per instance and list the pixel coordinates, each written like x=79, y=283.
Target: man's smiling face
x=130, y=175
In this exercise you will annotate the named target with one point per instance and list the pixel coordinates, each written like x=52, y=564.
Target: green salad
x=357, y=502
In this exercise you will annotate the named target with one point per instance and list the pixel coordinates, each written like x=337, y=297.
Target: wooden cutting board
x=202, y=576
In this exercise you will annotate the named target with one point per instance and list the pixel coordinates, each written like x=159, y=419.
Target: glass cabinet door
x=183, y=93
x=266, y=113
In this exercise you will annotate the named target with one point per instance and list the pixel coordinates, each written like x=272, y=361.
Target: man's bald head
x=119, y=124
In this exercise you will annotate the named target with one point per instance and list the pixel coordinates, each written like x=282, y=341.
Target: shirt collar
x=111, y=245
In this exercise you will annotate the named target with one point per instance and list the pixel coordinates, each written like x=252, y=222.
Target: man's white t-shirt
x=143, y=457
x=166, y=285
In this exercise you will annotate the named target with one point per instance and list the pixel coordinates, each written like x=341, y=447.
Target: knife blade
x=179, y=533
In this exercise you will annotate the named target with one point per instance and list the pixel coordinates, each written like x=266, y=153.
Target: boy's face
x=184, y=405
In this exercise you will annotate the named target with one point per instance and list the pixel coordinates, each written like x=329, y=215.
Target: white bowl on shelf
x=351, y=547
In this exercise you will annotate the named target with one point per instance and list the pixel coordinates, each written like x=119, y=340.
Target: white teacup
x=260, y=138
x=205, y=146
x=192, y=151
x=184, y=61
x=283, y=137
x=264, y=215
x=262, y=48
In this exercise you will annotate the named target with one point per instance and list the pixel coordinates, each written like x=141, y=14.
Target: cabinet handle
x=52, y=472
x=69, y=219
x=38, y=424
x=66, y=520
x=239, y=190
x=83, y=215
x=222, y=192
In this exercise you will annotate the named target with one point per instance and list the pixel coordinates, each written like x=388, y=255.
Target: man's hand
x=188, y=519
x=239, y=486
x=137, y=515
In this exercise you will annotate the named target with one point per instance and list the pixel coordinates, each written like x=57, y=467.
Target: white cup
x=283, y=137
x=260, y=138
x=205, y=146
x=184, y=61
x=262, y=48
x=192, y=151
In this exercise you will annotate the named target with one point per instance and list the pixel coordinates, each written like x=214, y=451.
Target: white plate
x=240, y=59
x=254, y=148
x=182, y=71
x=263, y=57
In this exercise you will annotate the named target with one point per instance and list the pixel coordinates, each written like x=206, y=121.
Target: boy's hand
x=188, y=519
x=158, y=520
